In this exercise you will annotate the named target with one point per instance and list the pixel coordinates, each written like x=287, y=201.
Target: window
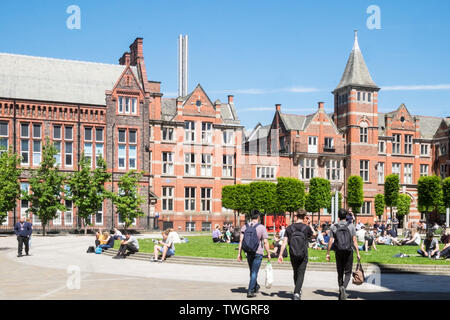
x=424, y=149
x=167, y=158
x=189, y=164
x=364, y=170
x=381, y=147
x=363, y=133
x=206, y=168
x=167, y=134
x=68, y=151
x=24, y=151
x=228, y=137
x=396, y=143
x=3, y=137
x=408, y=144
x=396, y=168
x=329, y=143
x=68, y=216
x=24, y=130
x=24, y=204
x=98, y=153
x=423, y=170
x=36, y=152
x=87, y=134
x=359, y=96
x=189, y=127
x=127, y=105
x=408, y=174
x=444, y=170
x=190, y=226
x=227, y=169
x=366, y=208
x=443, y=148
x=167, y=198
x=369, y=97
x=99, y=217
x=265, y=172
x=57, y=132
x=206, y=199
x=333, y=170
x=88, y=153
x=206, y=226
x=312, y=144
x=307, y=168
x=380, y=170
x=127, y=148
x=57, y=220
x=189, y=199
x=99, y=134
x=57, y=145
x=206, y=132
x=36, y=131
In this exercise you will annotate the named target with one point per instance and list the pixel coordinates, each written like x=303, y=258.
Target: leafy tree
x=446, y=192
x=391, y=191
x=403, y=205
x=290, y=194
x=9, y=182
x=379, y=205
x=87, y=189
x=46, y=185
x=355, y=193
x=319, y=195
x=263, y=197
x=430, y=195
x=127, y=200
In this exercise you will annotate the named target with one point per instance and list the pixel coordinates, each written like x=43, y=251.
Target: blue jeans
x=254, y=262
x=105, y=246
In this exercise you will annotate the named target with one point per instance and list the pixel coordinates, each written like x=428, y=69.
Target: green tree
x=290, y=194
x=430, y=195
x=391, y=191
x=263, y=197
x=379, y=205
x=319, y=195
x=9, y=182
x=87, y=189
x=127, y=200
x=446, y=192
x=355, y=193
x=403, y=206
x=46, y=186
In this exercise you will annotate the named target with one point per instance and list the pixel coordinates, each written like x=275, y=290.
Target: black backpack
x=250, y=243
x=298, y=243
x=343, y=238
x=91, y=249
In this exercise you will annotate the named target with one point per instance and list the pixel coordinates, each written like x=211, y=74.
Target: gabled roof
x=294, y=121
x=168, y=108
x=356, y=72
x=259, y=132
x=49, y=79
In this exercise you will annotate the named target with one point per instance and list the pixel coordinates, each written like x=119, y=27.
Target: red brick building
x=189, y=147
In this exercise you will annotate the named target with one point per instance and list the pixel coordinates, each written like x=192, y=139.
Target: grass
x=202, y=246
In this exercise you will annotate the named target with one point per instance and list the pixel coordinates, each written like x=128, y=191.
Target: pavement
x=60, y=268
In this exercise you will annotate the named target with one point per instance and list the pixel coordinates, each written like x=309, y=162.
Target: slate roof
x=49, y=79
x=356, y=72
x=428, y=125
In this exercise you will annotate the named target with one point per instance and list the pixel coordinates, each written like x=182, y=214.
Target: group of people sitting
x=228, y=234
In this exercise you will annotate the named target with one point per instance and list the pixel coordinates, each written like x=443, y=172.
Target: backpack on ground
x=90, y=249
x=298, y=243
x=343, y=238
x=250, y=243
x=98, y=250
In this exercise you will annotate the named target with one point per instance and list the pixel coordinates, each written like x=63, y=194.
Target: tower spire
x=356, y=45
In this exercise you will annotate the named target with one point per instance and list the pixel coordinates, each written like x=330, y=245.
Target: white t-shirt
x=416, y=238
x=175, y=237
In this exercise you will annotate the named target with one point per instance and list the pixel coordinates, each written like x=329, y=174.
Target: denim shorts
x=169, y=253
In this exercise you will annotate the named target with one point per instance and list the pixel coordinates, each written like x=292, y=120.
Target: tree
x=430, y=195
x=128, y=200
x=290, y=194
x=263, y=197
x=391, y=191
x=87, y=189
x=403, y=205
x=355, y=193
x=9, y=182
x=319, y=195
x=446, y=192
x=46, y=186
x=379, y=205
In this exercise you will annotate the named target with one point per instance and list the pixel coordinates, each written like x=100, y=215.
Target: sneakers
x=257, y=288
x=251, y=295
x=118, y=257
x=19, y=255
x=342, y=293
x=297, y=296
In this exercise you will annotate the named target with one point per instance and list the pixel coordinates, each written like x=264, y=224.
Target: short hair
x=127, y=233
x=430, y=234
x=255, y=214
x=342, y=213
x=301, y=215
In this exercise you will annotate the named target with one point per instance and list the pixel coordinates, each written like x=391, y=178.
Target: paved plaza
x=52, y=269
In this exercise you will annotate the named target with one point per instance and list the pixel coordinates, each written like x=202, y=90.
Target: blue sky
x=263, y=52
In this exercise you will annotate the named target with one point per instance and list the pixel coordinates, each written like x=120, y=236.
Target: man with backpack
x=298, y=235
x=253, y=234
x=343, y=236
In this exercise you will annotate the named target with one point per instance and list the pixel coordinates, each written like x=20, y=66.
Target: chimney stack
x=321, y=105
x=278, y=107
x=230, y=99
x=137, y=51
x=125, y=60
x=182, y=65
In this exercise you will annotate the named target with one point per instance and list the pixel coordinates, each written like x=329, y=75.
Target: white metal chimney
x=182, y=65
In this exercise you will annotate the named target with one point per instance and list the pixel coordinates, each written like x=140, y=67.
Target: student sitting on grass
x=445, y=253
x=127, y=246
x=107, y=242
x=166, y=247
x=429, y=247
x=98, y=237
x=276, y=247
x=217, y=235
x=413, y=240
x=320, y=243
x=369, y=241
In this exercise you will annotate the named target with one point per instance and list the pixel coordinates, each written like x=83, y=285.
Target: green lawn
x=202, y=246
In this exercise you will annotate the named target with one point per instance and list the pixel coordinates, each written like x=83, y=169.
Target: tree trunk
x=43, y=229
x=318, y=214
x=85, y=227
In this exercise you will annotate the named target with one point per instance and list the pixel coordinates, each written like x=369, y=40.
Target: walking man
x=343, y=235
x=253, y=234
x=23, y=232
x=298, y=236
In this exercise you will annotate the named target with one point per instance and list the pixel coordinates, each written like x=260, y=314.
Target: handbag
x=358, y=275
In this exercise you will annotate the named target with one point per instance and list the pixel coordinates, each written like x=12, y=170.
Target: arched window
x=364, y=132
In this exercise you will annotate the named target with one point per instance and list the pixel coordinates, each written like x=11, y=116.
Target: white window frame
x=312, y=144
x=206, y=199
x=167, y=198
x=189, y=131
x=329, y=143
x=190, y=200
x=206, y=165
x=167, y=134
x=207, y=132
x=308, y=168
x=397, y=169
x=68, y=213
x=425, y=149
x=227, y=165
x=333, y=170
x=424, y=170
x=408, y=173
x=381, y=147
x=380, y=170
x=265, y=172
x=408, y=144
x=189, y=164
x=396, y=143
x=167, y=163
x=366, y=208
x=364, y=170
x=228, y=137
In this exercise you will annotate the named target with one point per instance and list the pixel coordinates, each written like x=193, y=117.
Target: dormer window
x=127, y=105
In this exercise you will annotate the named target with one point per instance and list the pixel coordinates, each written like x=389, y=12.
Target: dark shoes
x=19, y=255
x=118, y=257
x=297, y=296
x=342, y=293
x=257, y=288
x=251, y=295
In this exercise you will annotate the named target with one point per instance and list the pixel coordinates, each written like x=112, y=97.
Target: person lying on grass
x=166, y=247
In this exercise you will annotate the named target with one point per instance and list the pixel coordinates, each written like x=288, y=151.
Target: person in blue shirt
x=23, y=231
